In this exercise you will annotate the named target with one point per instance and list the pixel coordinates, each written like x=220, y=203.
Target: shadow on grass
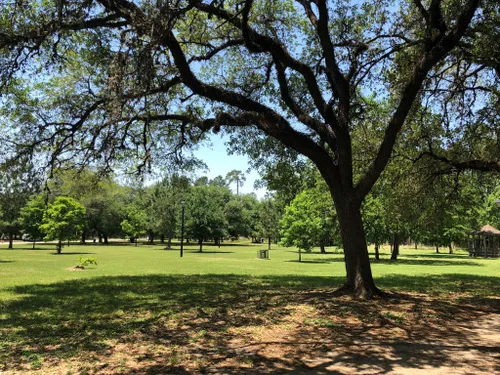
x=71, y=318
x=193, y=251
x=309, y=261
x=176, y=244
x=229, y=244
x=436, y=255
x=400, y=262
x=71, y=253
x=7, y=261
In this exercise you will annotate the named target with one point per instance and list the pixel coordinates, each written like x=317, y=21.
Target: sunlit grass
x=23, y=266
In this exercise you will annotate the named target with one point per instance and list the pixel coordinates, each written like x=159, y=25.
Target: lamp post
x=183, y=203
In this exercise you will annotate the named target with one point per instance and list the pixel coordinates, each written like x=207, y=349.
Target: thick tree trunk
x=395, y=247
x=100, y=238
x=416, y=245
x=377, y=254
x=34, y=245
x=11, y=241
x=450, y=246
x=437, y=249
x=106, y=240
x=359, y=274
x=169, y=243
x=200, y=242
x=84, y=235
x=162, y=238
x=322, y=249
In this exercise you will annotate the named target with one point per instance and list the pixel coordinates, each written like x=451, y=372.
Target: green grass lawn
x=415, y=270
x=50, y=314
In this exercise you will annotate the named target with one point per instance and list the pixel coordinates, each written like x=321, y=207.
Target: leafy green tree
x=136, y=222
x=269, y=220
x=17, y=184
x=237, y=177
x=219, y=181
x=32, y=217
x=241, y=214
x=219, y=64
x=374, y=222
x=102, y=197
x=205, y=217
x=166, y=205
x=63, y=220
x=309, y=220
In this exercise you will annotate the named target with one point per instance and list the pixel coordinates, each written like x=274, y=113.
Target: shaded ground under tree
x=159, y=324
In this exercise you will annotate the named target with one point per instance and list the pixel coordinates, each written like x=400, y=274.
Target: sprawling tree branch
x=441, y=46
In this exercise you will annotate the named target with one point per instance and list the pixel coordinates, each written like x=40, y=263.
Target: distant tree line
x=412, y=202
x=80, y=205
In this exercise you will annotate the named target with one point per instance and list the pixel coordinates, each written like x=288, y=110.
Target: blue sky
x=220, y=163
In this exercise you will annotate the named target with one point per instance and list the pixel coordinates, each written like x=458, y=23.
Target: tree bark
x=359, y=279
x=437, y=249
x=11, y=241
x=84, y=234
x=395, y=247
x=34, y=244
x=450, y=246
x=106, y=239
x=322, y=249
x=377, y=255
x=162, y=238
x=200, y=242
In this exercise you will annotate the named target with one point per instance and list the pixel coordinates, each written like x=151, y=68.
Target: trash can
x=263, y=254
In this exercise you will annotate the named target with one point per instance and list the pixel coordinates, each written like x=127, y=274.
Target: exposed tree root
x=361, y=292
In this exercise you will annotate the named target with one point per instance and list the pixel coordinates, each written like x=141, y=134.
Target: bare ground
x=312, y=333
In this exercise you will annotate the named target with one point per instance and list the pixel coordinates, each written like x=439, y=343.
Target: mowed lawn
x=146, y=310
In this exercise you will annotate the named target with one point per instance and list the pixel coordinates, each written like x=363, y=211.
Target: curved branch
x=442, y=46
x=260, y=43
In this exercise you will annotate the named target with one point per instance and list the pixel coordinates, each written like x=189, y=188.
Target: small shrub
x=84, y=262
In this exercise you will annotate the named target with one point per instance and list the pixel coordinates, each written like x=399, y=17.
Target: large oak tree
x=98, y=81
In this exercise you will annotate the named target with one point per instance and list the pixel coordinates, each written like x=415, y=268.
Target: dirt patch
x=76, y=268
x=309, y=332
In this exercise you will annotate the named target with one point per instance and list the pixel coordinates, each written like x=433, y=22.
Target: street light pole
x=183, y=203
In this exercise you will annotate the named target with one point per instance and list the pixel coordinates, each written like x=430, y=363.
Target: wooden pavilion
x=485, y=242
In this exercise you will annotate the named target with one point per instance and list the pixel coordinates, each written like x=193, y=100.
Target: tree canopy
x=63, y=220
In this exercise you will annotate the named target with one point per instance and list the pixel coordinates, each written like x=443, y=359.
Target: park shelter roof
x=488, y=229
